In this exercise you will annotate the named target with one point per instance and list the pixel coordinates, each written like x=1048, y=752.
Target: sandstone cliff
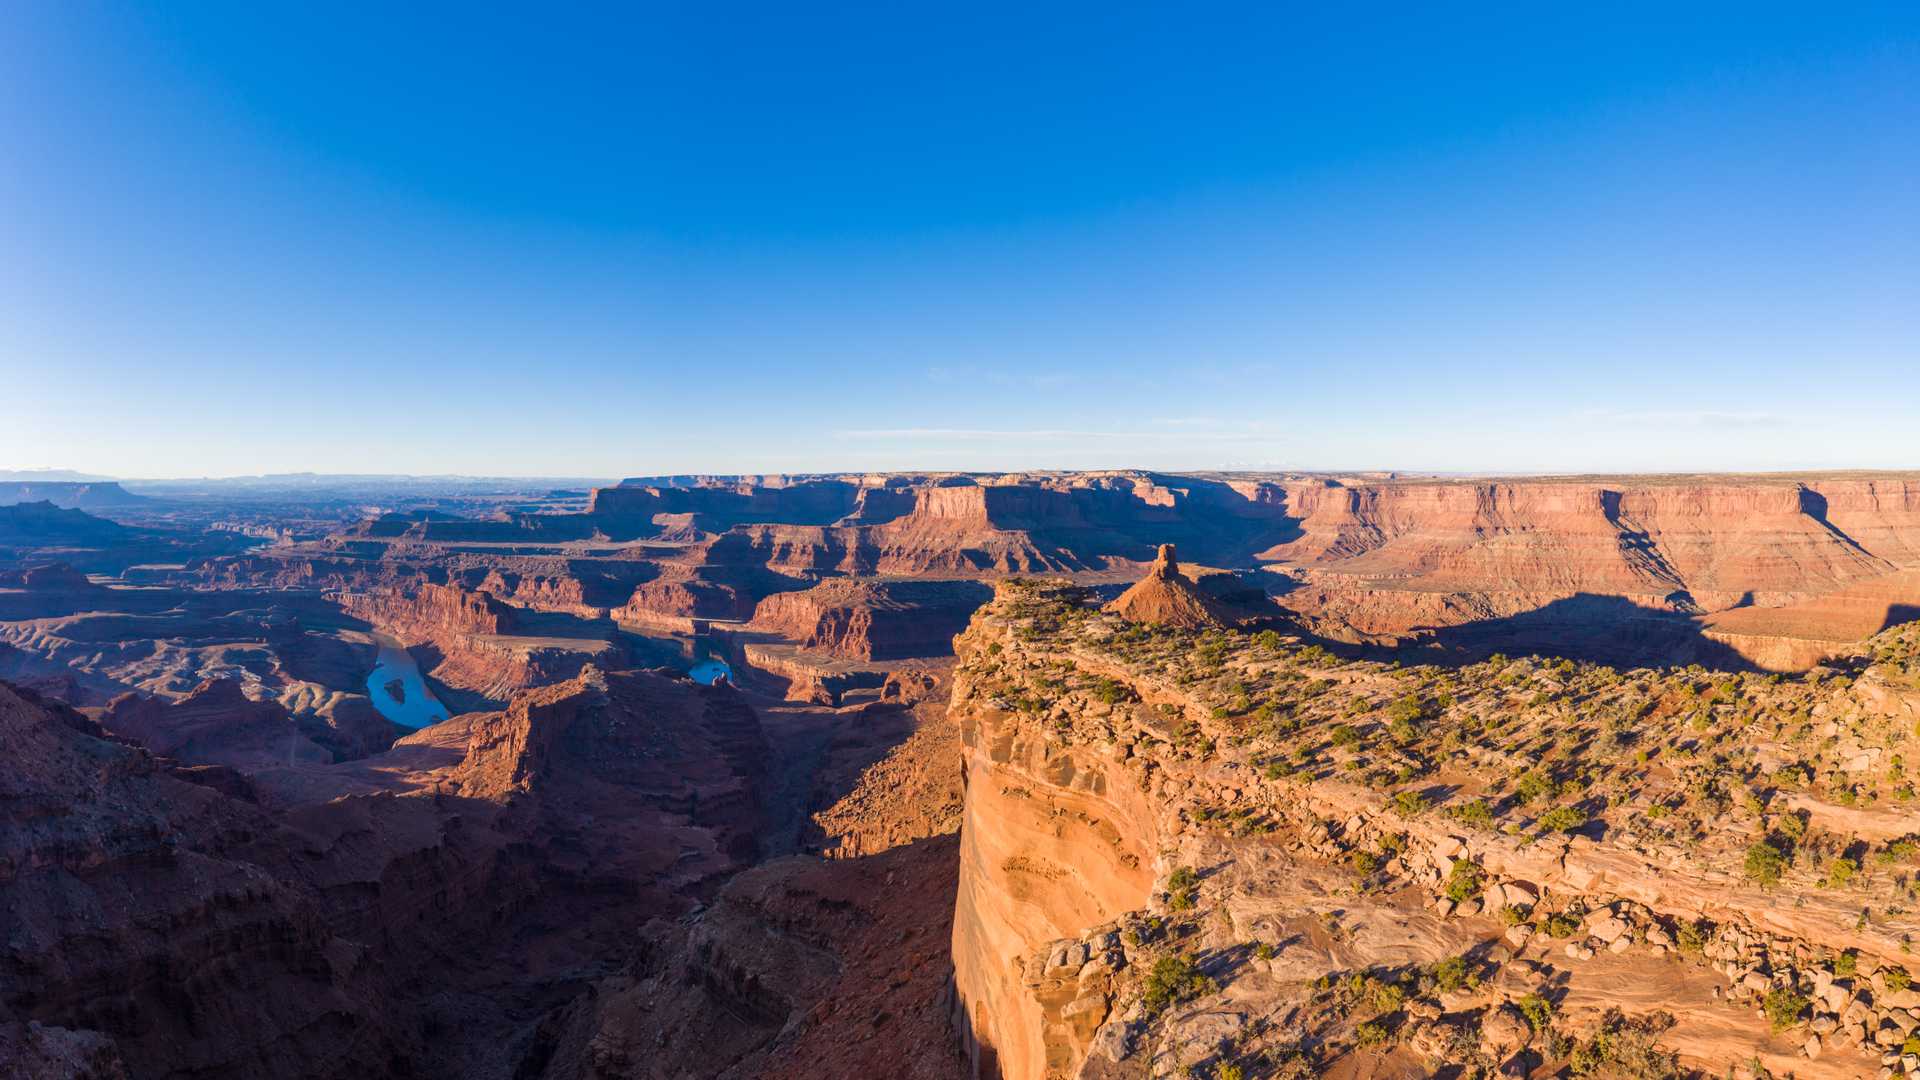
x=1207, y=850
x=474, y=642
x=867, y=619
x=417, y=913
x=1383, y=559
x=1166, y=597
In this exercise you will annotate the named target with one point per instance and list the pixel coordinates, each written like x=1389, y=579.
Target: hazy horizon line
x=76, y=476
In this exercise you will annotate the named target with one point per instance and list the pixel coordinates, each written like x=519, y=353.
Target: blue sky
x=731, y=238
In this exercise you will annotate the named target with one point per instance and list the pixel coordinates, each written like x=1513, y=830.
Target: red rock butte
x=1165, y=597
x=1394, y=775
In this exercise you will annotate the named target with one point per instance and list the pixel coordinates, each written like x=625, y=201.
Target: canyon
x=1096, y=774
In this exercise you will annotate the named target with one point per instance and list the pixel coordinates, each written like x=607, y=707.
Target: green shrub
x=1793, y=826
x=1765, y=863
x=1532, y=785
x=1183, y=885
x=1371, y=1034
x=1622, y=1049
x=1409, y=708
x=1385, y=997
x=1783, y=1007
x=1410, y=803
x=1845, y=965
x=1450, y=974
x=1561, y=925
x=1173, y=980
x=1897, y=980
x=1463, y=883
x=1344, y=735
x=1564, y=819
x=1537, y=1010
x=1691, y=937
x=1476, y=813
x=1840, y=871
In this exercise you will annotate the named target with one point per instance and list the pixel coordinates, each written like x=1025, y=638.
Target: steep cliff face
x=217, y=724
x=420, y=913
x=1192, y=850
x=594, y=750
x=476, y=643
x=910, y=545
x=872, y=620
x=1384, y=560
x=1359, y=559
x=1721, y=542
x=140, y=909
x=801, y=967
x=1054, y=839
x=430, y=611
x=719, y=507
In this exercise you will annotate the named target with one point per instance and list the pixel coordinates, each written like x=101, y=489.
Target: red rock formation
x=1165, y=597
x=157, y=913
x=474, y=642
x=852, y=983
x=91, y=495
x=1382, y=559
x=136, y=911
x=701, y=592
x=1718, y=541
x=431, y=611
x=47, y=577
x=864, y=619
x=217, y=724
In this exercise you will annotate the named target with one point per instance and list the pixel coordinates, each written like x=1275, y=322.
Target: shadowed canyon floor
x=1283, y=802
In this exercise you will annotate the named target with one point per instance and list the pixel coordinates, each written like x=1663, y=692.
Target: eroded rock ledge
x=1209, y=851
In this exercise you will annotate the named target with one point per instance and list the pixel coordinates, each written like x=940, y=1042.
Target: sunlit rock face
x=1199, y=848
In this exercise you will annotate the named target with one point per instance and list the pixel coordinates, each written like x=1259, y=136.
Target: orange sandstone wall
x=1051, y=843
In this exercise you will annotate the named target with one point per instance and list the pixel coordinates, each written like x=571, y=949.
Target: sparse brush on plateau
x=1102, y=775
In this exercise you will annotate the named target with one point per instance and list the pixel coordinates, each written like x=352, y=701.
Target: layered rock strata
x=1203, y=850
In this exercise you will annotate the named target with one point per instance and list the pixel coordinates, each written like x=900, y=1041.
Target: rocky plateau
x=1036, y=775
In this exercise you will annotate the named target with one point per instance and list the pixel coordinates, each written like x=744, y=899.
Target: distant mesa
x=43, y=523
x=70, y=496
x=1166, y=597
x=47, y=577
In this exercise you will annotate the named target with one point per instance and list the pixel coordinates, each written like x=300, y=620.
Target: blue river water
x=416, y=707
x=709, y=669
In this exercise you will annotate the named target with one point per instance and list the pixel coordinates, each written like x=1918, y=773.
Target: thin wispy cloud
x=1042, y=433
x=1690, y=418
x=1036, y=380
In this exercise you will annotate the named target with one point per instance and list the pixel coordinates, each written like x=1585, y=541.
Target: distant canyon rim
x=1102, y=774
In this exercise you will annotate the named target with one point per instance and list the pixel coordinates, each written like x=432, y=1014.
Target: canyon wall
x=1510, y=563
x=1717, y=543
x=1054, y=840
x=417, y=913
x=1535, y=559
x=474, y=642
x=872, y=620
x=1169, y=834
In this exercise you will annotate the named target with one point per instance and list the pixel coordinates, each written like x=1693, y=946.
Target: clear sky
x=784, y=237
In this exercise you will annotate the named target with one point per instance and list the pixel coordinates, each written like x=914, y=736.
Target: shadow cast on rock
x=1586, y=628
